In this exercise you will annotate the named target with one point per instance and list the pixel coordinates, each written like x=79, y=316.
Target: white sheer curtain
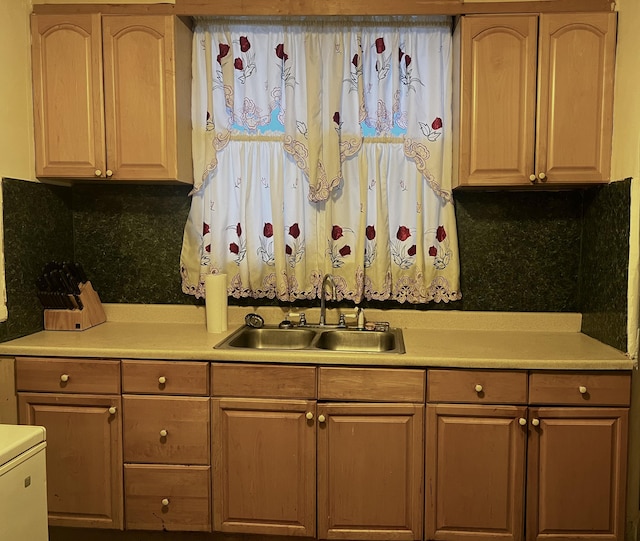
x=323, y=147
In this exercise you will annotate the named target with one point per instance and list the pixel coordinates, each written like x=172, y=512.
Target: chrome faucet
x=328, y=279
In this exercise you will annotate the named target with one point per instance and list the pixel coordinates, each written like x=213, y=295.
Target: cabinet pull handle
x=165, y=502
x=478, y=388
x=309, y=415
x=64, y=378
x=321, y=418
x=533, y=178
x=535, y=422
x=522, y=421
x=112, y=410
x=542, y=176
x=582, y=389
x=109, y=173
x=163, y=433
x=97, y=173
x=162, y=380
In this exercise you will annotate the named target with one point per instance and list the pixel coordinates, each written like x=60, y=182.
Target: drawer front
x=163, y=430
x=174, y=498
x=371, y=384
x=477, y=386
x=263, y=381
x=580, y=388
x=65, y=375
x=165, y=377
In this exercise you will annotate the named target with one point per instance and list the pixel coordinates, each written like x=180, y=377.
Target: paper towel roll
x=215, y=291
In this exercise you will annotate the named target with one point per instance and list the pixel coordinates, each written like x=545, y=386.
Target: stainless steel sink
x=271, y=338
x=354, y=340
x=319, y=338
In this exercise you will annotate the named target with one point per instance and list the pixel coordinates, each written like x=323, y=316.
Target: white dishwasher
x=23, y=483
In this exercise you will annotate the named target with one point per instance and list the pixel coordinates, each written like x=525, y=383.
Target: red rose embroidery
x=345, y=250
x=237, y=63
x=412, y=251
x=355, y=60
x=267, y=230
x=336, y=232
x=238, y=230
x=288, y=249
x=407, y=60
x=441, y=234
x=234, y=248
x=207, y=248
x=371, y=232
x=437, y=123
x=400, y=53
x=403, y=233
x=336, y=117
x=224, y=51
x=380, y=45
x=244, y=44
x=433, y=251
x=205, y=228
x=294, y=231
x=280, y=52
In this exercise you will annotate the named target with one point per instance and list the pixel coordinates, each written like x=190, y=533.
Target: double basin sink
x=319, y=338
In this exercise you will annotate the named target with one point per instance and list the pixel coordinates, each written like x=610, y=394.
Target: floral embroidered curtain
x=323, y=146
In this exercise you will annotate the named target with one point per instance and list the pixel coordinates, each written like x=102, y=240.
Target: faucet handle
x=342, y=322
x=303, y=320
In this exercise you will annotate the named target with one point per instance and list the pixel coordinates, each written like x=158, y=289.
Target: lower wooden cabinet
x=264, y=473
x=78, y=402
x=573, y=431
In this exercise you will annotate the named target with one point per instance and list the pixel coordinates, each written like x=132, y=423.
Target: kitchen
x=102, y=221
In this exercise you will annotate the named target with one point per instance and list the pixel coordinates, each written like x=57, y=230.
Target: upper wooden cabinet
x=112, y=97
x=534, y=103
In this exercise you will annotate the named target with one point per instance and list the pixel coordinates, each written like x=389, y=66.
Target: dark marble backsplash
x=556, y=251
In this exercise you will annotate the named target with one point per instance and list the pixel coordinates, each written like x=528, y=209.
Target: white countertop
x=433, y=338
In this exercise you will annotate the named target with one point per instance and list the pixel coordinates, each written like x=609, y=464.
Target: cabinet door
x=370, y=471
x=575, y=116
x=264, y=466
x=497, y=100
x=475, y=472
x=576, y=474
x=67, y=95
x=140, y=95
x=84, y=456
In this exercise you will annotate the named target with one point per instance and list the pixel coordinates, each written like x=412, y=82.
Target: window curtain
x=323, y=146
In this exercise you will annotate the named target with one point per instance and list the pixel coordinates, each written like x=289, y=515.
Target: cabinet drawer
x=580, y=388
x=163, y=430
x=477, y=386
x=167, y=497
x=371, y=384
x=63, y=375
x=165, y=377
x=263, y=381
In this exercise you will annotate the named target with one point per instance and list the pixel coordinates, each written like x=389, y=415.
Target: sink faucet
x=328, y=279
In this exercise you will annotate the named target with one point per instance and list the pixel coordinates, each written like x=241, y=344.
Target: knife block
x=77, y=320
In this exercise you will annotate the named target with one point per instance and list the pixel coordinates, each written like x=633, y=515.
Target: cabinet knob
x=535, y=422
x=478, y=388
x=163, y=433
x=522, y=421
x=533, y=178
x=112, y=410
x=98, y=173
x=64, y=378
x=109, y=173
x=309, y=415
x=582, y=389
x=542, y=176
x=165, y=502
x=321, y=418
x=162, y=380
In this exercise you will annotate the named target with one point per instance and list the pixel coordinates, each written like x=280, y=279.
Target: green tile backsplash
x=561, y=251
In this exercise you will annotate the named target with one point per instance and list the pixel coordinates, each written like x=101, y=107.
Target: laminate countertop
x=435, y=338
